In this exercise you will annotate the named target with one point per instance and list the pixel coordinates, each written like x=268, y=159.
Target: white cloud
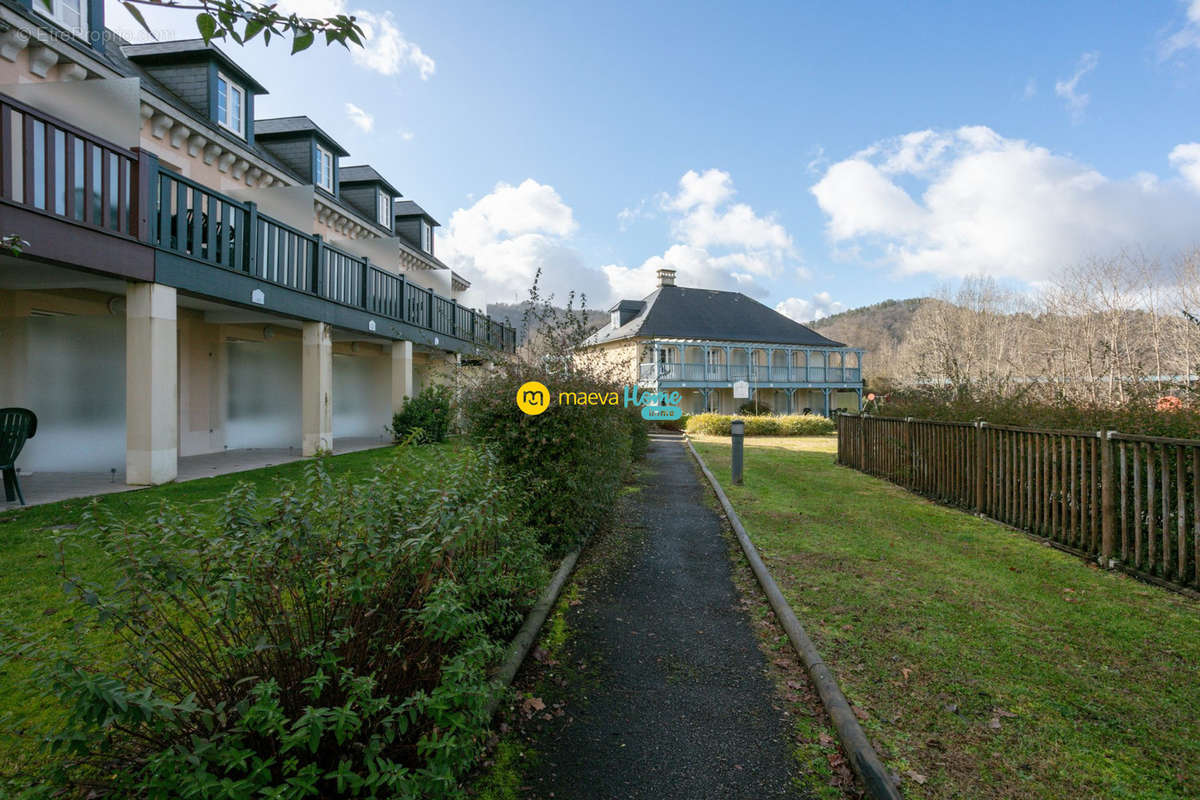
x=1186, y=159
x=1030, y=90
x=981, y=203
x=406, y=135
x=821, y=305
x=385, y=49
x=361, y=119
x=1077, y=102
x=717, y=243
x=1186, y=36
x=502, y=240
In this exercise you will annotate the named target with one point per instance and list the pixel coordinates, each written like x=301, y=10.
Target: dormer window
x=383, y=208
x=323, y=174
x=231, y=102
x=71, y=14
x=426, y=237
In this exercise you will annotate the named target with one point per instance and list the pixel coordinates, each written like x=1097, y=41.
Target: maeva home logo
x=533, y=398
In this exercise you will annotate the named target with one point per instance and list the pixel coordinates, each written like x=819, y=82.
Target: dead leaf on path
x=916, y=776
x=532, y=704
x=786, y=663
x=860, y=713
x=797, y=685
x=825, y=739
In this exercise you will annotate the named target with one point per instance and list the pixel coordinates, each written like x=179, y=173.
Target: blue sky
x=814, y=155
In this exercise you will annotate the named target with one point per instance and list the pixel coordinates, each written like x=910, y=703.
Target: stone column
x=151, y=384
x=316, y=388
x=402, y=374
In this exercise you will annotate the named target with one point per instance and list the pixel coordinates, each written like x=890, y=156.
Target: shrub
x=753, y=408
x=675, y=424
x=784, y=425
x=330, y=641
x=427, y=415
x=1150, y=415
x=571, y=459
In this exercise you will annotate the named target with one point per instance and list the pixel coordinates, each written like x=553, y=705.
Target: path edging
x=518, y=648
x=863, y=758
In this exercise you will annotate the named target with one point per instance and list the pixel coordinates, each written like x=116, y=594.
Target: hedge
x=782, y=425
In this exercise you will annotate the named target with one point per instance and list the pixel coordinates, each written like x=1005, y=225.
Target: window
x=231, y=100
x=426, y=237
x=71, y=14
x=383, y=208
x=324, y=173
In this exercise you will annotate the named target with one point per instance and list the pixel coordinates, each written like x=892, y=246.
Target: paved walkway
x=673, y=702
x=50, y=487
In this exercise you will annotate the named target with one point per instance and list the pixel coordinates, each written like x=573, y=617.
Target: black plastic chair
x=16, y=425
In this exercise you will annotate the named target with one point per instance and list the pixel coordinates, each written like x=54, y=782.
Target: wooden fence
x=1126, y=501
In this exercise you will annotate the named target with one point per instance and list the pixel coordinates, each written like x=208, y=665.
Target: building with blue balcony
x=702, y=342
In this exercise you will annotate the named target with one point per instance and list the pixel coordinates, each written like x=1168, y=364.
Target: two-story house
x=198, y=280
x=702, y=342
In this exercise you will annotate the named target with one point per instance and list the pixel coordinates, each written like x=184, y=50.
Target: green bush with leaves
x=332, y=640
x=570, y=459
x=426, y=417
x=783, y=425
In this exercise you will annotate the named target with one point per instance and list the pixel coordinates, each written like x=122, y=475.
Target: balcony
x=702, y=374
x=112, y=199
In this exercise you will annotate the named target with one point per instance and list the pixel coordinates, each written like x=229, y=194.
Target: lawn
x=31, y=591
x=985, y=664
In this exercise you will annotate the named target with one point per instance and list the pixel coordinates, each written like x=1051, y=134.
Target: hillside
x=514, y=314
x=879, y=329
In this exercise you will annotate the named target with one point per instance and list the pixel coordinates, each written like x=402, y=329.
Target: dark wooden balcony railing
x=57, y=169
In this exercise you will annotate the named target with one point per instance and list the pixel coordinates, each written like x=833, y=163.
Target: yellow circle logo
x=533, y=398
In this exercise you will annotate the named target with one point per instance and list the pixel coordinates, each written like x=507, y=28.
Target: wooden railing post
x=366, y=275
x=980, y=464
x=251, y=265
x=318, y=261
x=143, y=211
x=1107, y=499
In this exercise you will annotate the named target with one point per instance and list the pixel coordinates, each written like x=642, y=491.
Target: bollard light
x=737, y=430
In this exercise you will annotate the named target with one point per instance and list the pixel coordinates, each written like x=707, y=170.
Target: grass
x=984, y=664
x=31, y=592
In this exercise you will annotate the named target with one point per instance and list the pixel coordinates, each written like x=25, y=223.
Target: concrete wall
x=362, y=399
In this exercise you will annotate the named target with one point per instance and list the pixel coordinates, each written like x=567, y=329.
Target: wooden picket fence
x=1129, y=502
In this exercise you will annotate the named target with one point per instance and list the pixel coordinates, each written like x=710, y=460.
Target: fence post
x=366, y=277
x=912, y=453
x=980, y=461
x=1107, y=499
x=862, y=442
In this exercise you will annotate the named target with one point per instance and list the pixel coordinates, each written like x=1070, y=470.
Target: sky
x=815, y=156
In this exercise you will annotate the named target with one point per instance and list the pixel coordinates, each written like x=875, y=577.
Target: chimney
x=666, y=277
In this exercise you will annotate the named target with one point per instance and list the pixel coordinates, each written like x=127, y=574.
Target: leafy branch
x=242, y=21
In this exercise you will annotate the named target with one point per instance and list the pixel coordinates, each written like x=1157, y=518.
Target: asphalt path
x=672, y=700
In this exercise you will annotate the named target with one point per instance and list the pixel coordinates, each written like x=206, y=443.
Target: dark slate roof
x=407, y=208
x=188, y=49
x=364, y=173
x=289, y=126
x=681, y=313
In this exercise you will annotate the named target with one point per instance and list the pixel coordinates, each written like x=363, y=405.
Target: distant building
x=702, y=342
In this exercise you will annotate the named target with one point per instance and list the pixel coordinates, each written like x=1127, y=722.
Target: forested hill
x=878, y=328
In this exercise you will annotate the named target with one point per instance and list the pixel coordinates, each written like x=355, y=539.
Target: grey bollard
x=738, y=431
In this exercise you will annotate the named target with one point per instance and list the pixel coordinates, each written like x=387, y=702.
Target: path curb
x=519, y=647
x=863, y=758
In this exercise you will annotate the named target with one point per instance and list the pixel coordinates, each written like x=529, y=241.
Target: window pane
x=222, y=89
x=235, y=108
x=39, y=165
x=60, y=172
